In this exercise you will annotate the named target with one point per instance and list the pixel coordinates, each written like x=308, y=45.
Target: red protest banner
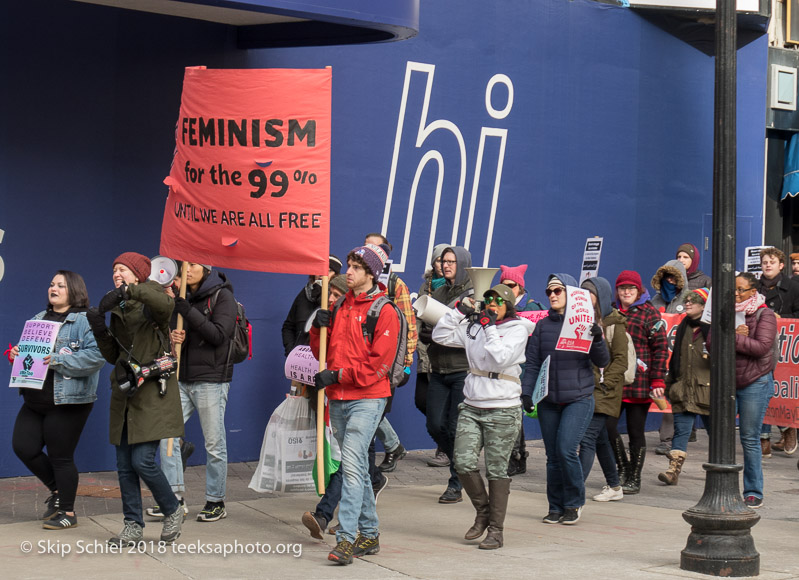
x=783, y=408
x=249, y=186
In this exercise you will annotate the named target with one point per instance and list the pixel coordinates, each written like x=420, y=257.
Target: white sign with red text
x=577, y=321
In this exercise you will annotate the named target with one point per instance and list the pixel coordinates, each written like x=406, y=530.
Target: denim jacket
x=76, y=371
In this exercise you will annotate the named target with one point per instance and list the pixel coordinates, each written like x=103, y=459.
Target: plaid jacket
x=402, y=298
x=648, y=332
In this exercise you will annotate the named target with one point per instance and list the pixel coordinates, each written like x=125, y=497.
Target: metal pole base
x=720, y=542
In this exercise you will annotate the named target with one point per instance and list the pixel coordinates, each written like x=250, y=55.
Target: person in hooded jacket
x=205, y=371
x=688, y=254
x=495, y=341
x=608, y=387
x=566, y=411
x=449, y=366
x=648, y=332
x=670, y=283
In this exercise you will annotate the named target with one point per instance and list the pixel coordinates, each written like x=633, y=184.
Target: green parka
x=150, y=416
x=609, y=382
x=688, y=388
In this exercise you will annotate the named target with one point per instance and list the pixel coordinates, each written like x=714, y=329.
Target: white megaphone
x=429, y=309
x=481, y=282
x=163, y=270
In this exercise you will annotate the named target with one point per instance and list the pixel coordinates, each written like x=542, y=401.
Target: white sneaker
x=609, y=494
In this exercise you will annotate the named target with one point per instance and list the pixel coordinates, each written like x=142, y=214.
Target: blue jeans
x=751, y=403
x=562, y=428
x=388, y=437
x=683, y=425
x=327, y=505
x=354, y=424
x=595, y=442
x=136, y=463
x=210, y=401
x=444, y=394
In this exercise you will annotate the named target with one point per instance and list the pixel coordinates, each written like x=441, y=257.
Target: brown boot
x=789, y=438
x=474, y=487
x=779, y=445
x=676, y=459
x=498, y=493
x=765, y=448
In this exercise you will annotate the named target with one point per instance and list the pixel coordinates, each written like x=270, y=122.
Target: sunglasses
x=557, y=291
x=511, y=284
x=491, y=299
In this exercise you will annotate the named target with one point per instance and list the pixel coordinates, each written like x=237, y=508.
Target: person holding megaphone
x=144, y=409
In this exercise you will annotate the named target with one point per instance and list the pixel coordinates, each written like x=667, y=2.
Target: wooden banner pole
x=183, y=271
x=320, y=399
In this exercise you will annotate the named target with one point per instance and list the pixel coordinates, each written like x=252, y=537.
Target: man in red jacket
x=356, y=382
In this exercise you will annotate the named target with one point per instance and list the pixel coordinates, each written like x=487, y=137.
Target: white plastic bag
x=288, y=452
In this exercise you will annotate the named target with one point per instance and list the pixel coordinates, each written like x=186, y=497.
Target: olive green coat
x=150, y=417
x=609, y=383
x=690, y=391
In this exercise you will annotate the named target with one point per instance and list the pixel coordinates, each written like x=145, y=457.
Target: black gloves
x=425, y=333
x=96, y=322
x=182, y=306
x=464, y=309
x=527, y=403
x=325, y=378
x=596, y=331
x=113, y=298
x=488, y=317
x=322, y=318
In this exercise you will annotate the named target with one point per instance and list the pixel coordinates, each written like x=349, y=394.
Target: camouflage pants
x=494, y=430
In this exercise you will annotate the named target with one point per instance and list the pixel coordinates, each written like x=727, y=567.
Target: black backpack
x=241, y=341
x=397, y=373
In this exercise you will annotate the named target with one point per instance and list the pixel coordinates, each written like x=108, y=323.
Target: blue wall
x=609, y=133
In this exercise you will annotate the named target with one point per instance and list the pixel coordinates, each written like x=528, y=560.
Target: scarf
x=674, y=363
x=750, y=305
x=668, y=291
x=437, y=283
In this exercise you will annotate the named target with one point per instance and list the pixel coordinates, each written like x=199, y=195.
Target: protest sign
x=591, y=254
x=249, y=186
x=541, y=388
x=783, y=408
x=752, y=259
x=37, y=341
x=577, y=321
x=301, y=365
x=534, y=315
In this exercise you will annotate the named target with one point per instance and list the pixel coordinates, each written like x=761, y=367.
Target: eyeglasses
x=743, y=290
x=510, y=284
x=449, y=262
x=557, y=290
x=490, y=299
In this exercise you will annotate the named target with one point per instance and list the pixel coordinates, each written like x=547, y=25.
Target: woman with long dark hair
x=54, y=416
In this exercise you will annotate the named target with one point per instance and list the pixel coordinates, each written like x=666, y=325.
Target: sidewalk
x=637, y=538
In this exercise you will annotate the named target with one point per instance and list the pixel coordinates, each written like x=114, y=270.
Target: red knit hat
x=138, y=264
x=514, y=274
x=630, y=277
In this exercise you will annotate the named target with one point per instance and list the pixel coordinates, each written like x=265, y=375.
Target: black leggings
x=58, y=427
x=636, y=424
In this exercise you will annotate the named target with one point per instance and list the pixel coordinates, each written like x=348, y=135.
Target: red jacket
x=364, y=367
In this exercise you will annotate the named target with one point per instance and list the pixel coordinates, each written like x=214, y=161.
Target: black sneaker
x=186, y=449
x=213, y=511
x=753, y=502
x=365, y=546
x=342, y=553
x=380, y=486
x=52, y=503
x=552, y=518
x=60, y=521
x=452, y=495
x=390, y=460
x=315, y=524
x=571, y=516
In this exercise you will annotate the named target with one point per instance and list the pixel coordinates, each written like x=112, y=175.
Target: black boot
x=475, y=488
x=498, y=492
x=633, y=483
x=622, y=463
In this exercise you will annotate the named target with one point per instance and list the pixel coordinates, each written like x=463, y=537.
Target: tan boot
x=498, y=492
x=789, y=438
x=474, y=487
x=676, y=459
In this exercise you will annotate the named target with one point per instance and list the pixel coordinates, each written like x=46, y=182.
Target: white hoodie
x=496, y=348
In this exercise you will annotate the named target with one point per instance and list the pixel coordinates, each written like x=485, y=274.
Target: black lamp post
x=720, y=542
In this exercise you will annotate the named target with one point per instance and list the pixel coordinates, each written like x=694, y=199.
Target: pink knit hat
x=514, y=274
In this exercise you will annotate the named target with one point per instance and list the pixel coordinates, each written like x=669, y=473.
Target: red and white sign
x=578, y=319
x=249, y=186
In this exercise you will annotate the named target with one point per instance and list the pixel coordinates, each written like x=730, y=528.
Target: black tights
x=58, y=427
x=636, y=424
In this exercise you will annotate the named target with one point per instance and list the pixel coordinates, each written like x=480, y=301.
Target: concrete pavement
x=638, y=538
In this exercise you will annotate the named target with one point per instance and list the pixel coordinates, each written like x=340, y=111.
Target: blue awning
x=790, y=178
